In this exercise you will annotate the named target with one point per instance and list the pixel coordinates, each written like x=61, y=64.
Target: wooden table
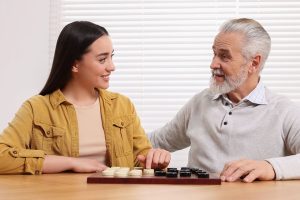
x=73, y=186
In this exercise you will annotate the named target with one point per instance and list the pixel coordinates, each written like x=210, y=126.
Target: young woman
x=74, y=123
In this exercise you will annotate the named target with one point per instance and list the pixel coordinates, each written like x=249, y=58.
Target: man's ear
x=255, y=64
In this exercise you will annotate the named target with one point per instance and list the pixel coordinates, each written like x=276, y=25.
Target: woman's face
x=95, y=66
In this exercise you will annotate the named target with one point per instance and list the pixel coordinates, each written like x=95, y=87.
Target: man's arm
x=280, y=168
x=173, y=136
x=288, y=167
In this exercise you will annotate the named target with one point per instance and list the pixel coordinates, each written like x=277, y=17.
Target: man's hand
x=248, y=170
x=156, y=158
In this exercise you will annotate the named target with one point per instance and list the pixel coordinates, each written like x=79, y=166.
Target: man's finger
x=251, y=176
x=232, y=168
x=237, y=174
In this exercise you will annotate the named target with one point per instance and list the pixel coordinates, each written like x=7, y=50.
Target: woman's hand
x=87, y=165
x=156, y=158
x=56, y=164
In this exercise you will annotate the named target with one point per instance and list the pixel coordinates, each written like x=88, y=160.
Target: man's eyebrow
x=221, y=50
x=224, y=51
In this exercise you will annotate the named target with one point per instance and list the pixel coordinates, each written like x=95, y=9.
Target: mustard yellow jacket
x=47, y=125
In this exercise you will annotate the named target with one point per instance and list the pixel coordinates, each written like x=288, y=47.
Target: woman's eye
x=102, y=60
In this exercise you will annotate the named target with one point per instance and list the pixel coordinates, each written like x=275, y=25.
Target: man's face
x=229, y=68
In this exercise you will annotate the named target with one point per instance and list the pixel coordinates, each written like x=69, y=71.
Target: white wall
x=24, y=42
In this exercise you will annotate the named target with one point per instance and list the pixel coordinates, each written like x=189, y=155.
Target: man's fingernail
x=223, y=178
x=246, y=179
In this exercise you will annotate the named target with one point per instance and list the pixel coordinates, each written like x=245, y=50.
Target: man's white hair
x=256, y=38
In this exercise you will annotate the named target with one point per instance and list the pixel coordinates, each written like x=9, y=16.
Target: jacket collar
x=106, y=95
x=57, y=97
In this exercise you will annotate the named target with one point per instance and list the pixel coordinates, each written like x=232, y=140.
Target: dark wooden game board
x=193, y=180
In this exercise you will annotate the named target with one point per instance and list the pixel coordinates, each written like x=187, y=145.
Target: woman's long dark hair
x=72, y=43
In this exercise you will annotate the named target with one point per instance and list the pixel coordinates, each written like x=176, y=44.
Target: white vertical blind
x=163, y=47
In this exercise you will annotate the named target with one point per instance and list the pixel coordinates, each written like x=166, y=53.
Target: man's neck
x=244, y=90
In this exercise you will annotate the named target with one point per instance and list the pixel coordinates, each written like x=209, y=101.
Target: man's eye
x=224, y=57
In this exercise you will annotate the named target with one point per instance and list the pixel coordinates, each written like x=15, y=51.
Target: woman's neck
x=80, y=95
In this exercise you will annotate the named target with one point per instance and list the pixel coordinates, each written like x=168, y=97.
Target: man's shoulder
x=205, y=94
x=279, y=101
x=200, y=99
x=275, y=98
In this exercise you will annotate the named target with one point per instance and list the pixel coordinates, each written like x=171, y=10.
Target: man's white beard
x=230, y=83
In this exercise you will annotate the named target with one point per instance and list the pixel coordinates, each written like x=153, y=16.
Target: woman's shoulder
x=113, y=96
x=53, y=99
x=37, y=99
x=118, y=102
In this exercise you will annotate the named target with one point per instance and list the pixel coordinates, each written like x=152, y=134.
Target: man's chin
x=219, y=89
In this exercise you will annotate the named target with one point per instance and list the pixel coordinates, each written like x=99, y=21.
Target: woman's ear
x=75, y=67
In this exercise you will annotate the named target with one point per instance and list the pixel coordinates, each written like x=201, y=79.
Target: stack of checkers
x=123, y=172
x=183, y=172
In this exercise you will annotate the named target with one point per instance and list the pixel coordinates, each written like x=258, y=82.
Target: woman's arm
x=56, y=164
x=15, y=153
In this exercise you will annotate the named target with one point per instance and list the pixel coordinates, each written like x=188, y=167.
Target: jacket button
x=15, y=152
x=122, y=123
x=37, y=172
x=48, y=132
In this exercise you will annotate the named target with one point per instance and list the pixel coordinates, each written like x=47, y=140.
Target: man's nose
x=215, y=64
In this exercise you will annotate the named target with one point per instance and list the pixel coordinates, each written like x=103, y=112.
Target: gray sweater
x=263, y=126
